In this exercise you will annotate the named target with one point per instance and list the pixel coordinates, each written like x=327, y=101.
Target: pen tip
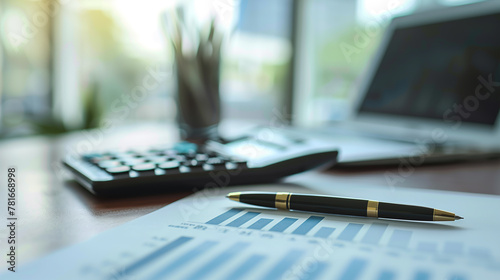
x=234, y=196
x=458, y=218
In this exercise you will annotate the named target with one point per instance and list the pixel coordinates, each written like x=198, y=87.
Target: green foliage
x=92, y=114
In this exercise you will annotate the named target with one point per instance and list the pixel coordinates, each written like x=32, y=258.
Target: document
x=207, y=236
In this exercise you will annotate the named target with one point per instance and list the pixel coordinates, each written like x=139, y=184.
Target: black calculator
x=258, y=157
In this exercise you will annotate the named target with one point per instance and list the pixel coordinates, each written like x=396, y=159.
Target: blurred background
x=76, y=64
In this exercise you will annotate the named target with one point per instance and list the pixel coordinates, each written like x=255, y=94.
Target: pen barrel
x=358, y=207
x=259, y=199
x=330, y=205
x=340, y=206
x=405, y=212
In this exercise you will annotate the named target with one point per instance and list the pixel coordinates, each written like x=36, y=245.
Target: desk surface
x=54, y=211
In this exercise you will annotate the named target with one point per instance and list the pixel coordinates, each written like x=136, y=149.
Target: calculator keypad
x=182, y=158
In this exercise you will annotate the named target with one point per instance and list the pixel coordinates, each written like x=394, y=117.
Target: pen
x=342, y=206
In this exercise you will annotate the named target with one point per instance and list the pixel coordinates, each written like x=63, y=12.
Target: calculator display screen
x=251, y=149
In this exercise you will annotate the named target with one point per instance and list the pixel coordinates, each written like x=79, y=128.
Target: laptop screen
x=440, y=71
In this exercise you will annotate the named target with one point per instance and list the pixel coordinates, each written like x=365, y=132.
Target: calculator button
x=133, y=161
x=133, y=174
x=184, y=169
x=157, y=159
x=215, y=161
x=185, y=147
x=144, y=167
x=169, y=165
x=208, y=167
x=201, y=157
x=109, y=163
x=231, y=165
x=118, y=170
x=159, y=171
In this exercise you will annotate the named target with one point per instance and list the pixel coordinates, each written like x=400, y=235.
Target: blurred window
x=257, y=62
x=69, y=65
x=113, y=63
x=25, y=64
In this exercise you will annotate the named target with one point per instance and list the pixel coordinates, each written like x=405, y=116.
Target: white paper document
x=207, y=236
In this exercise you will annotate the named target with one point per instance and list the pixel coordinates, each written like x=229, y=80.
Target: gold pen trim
x=440, y=215
x=282, y=200
x=234, y=196
x=372, y=209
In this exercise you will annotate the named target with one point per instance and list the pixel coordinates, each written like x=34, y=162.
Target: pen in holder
x=197, y=62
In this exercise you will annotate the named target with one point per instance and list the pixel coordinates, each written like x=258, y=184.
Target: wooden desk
x=55, y=212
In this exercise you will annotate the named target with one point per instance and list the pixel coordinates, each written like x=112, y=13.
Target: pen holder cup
x=198, y=101
x=197, y=47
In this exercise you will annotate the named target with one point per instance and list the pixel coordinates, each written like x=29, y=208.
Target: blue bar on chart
x=482, y=253
x=156, y=254
x=350, y=232
x=374, y=233
x=243, y=219
x=306, y=226
x=283, y=224
x=284, y=265
x=223, y=217
x=400, y=238
x=324, y=232
x=183, y=260
x=422, y=275
x=354, y=269
x=218, y=261
x=316, y=272
x=427, y=247
x=453, y=248
x=457, y=277
x=386, y=275
x=260, y=223
x=247, y=266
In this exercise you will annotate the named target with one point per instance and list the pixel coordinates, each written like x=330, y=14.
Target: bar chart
x=366, y=234
x=281, y=226
x=212, y=266
x=399, y=238
x=250, y=264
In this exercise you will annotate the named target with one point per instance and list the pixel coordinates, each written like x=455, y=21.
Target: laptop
x=431, y=93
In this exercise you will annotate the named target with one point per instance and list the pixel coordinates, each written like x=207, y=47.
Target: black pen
x=342, y=206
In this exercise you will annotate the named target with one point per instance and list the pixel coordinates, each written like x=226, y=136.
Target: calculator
x=248, y=159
